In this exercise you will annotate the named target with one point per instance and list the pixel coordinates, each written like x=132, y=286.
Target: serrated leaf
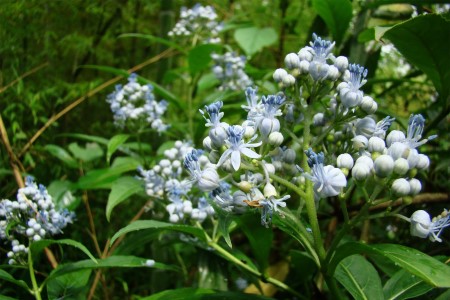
x=359, y=278
x=337, y=14
x=423, y=266
x=121, y=190
x=157, y=225
x=114, y=143
x=404, y=285
x=8, y=277
x=62, y=155
x=200, y=57
x=254, y=39
x=424, y=41
x=38, y=246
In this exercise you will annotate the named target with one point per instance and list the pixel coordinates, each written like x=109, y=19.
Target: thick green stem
x=36, y=291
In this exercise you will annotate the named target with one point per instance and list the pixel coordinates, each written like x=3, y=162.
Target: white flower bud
x=249, y=132
x=333, y=73
x=30, y=232
x=149, y=263
x=276, y=139
x=360, y=142
x=401, y=166
x=365, y=126
x=398, y=150
x=289, y=156
x=305, y=54
x=319, y=119
x=209, y=180
x=288, y=80
x=164, y=163
x=401, y=187
x=365, y=160
x=269, y=190
x=420, y=224
x=279, y=74
x=218, y=136
x=269, y=125
x=341, y=63
x=214, y=156
x=174, y=218
x=292, y=61
x=207, y=144
x=395, y=136
x=318, y=71
x=304, y=66
x=270, y=168
x=345, y=160
x=423, y=162
x=376, y=144
x=36, y=238
x=383, y=165
x=415, y=186
x=413, y=158
x=368, y=105
x=360, y=172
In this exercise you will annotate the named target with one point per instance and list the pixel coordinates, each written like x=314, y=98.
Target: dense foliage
x=224, y=149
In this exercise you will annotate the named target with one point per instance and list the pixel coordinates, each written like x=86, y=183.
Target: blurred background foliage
x=45, y=46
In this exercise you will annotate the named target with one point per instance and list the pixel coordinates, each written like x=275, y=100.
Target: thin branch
x=4, y=88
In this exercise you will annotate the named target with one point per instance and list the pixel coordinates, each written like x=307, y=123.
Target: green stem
x=36, y=291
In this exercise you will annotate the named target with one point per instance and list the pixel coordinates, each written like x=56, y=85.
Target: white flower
x=423, y=227
x=236, y=147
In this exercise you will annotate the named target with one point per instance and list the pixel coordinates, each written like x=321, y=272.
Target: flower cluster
x=199, y=23
x=167, y=180
x=229, y=70
x=134, y=102
x=31, y=218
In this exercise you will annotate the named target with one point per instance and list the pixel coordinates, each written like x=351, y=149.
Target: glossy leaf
x=199, y=58
x=425, y=42
x=114, y=143
x=254, y=39
x=62, y=155
x=423, y=266
x=121, y=190
x=70, y=286
x=404, y=285
x=116, y=261
x=359, y=278
x=337, y=14
x=8, y=277
x=157, y=225
x=104, y=178
x=38, y=246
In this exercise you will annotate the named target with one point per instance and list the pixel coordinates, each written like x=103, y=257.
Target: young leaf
x=38, y=246
x=8, y=277
x=200, y=57
x=114, y=143
x=157, y=225
x=359, y=278
x=254, y=39
x=404, y=286
x=90, y=152
x=423, y=266
x=121, y=190
x=337, y=14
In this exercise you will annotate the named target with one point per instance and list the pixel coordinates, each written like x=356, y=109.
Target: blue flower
x=207, y=179
x=217, y=133
x=349, y=91
x=236, y=147
x=416, y=125
x=321, y=49
x=422, y=226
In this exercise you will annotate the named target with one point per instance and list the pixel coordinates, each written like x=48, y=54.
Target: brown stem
x=91, y=93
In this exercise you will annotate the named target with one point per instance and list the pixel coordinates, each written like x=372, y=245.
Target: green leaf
x=121, y=190
x=72, y=286
x=153, y=38
x=104, y=178
x=260, y=238
x=359, y=278
x=38, y=246
x=116, y=261
x=423, y=266
x=157, y=225
x=114, y=143
x=8, y=277
x=202, y=294
x=200, y=57
x=2, y=297
x=424, y=41
x=60, y=190
x=91, y=152
x=254, y=39
x=404, y=286
x=337, y=14
x=211, y=273
x=207, y=81
x=86, y=137
x=62, y=155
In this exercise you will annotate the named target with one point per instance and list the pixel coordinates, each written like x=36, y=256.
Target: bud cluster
x=32, y=217
x=229, y=70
